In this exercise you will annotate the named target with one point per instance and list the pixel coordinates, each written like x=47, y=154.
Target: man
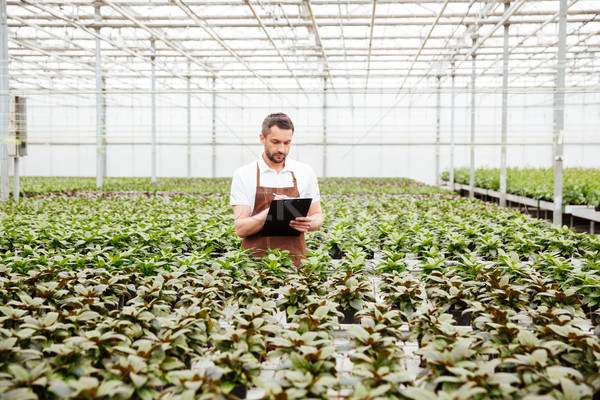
x=274, y=176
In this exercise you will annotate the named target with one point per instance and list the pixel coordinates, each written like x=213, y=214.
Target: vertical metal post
x=189, y=123
x=559, y=113
x=16, y=188
x=324, y=127
x=214, y=128
x=452, y=129
x=104, y=151
x=438, y=179
x=4, y=102
x=504, y=113
x=99, y=108
x=153, y=46
x=472, y=171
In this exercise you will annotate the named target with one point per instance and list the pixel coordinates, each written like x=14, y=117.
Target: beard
x=271, y=157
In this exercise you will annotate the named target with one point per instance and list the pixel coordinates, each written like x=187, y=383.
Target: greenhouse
x=257, y=199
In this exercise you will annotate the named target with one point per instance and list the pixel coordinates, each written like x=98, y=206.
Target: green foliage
x=148, y=295
x=580, y=185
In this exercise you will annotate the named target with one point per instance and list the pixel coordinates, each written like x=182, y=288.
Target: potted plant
x=449, y=291
x=401, y=291
x=240, y=371
x=351, y=291
x=293, y=297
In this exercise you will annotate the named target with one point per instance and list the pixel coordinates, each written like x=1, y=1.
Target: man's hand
x=301, y=224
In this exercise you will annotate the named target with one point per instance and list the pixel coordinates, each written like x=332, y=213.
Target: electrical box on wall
x=17, y=131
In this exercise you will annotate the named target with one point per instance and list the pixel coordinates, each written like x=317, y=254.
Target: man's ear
x=262, y=139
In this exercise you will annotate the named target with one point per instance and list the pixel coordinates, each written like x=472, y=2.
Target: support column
x=452, y=128
x=104, y=149
x=214, y=128
x=504, y=114
x=324, y=127
x=99, y=107
x=4, y=102
x=153, y=46
x=16, y=187
x=438, y=179
x=472, y=171
x=559, y=113
x=189, y=123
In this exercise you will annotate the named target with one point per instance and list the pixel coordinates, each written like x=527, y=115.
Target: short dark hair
x=280, y=119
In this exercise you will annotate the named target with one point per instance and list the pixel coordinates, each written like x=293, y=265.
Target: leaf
x=326, y=381
x=19, y=394
x=570, y=389
x=321, y=312
x=359, y=332
x=87, y=315
x=308, y=349
x=108, y=388
x=539, y=356
x=560, y=372
x=291, y=310
x=380, y=390
x=25, y=333
x=19, y=372
x=503, y=378
x=527, y=338
x=60, y=388
x=8, y=343
x=171, y=363
x=50, y=318
x=419, y=394
x=138, y=380
x=560, y=330
x=357, y=304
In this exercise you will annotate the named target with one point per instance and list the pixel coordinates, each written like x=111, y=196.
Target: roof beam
x=284, y=24
x=504, y=20
x=429, y=32
x=370, y=43
x=539, y=28
x=385, y=16
x=208, y=29
x=319, y=42
x=264, y=29
x=104, y=38
x=162, y=37
x=547, y=59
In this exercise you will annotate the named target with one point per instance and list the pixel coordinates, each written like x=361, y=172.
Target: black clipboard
x=281, y=213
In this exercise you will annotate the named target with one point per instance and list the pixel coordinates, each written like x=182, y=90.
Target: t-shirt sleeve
x=239, y=194
x=313, y=186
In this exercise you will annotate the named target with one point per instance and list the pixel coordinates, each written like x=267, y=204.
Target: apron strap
x=257, y=175
x=295, y=183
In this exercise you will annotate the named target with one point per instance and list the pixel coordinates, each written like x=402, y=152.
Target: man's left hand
x=301, y=224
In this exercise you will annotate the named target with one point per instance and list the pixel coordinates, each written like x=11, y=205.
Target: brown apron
x=296, y=245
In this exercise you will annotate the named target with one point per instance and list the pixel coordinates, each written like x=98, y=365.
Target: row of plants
x=113, y=186
x=151, y=232
x=580, y=185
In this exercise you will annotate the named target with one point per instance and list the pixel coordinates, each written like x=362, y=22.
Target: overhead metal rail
x=305, y=40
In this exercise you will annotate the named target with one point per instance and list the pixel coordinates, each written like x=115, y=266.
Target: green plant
x=350, y=290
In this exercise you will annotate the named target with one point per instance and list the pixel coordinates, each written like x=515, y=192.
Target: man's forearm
x=250, y=225
x=316, y=221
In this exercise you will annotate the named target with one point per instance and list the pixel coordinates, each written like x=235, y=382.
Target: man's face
x=277, y=143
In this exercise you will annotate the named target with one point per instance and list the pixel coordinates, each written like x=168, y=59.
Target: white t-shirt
x=243, y=185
